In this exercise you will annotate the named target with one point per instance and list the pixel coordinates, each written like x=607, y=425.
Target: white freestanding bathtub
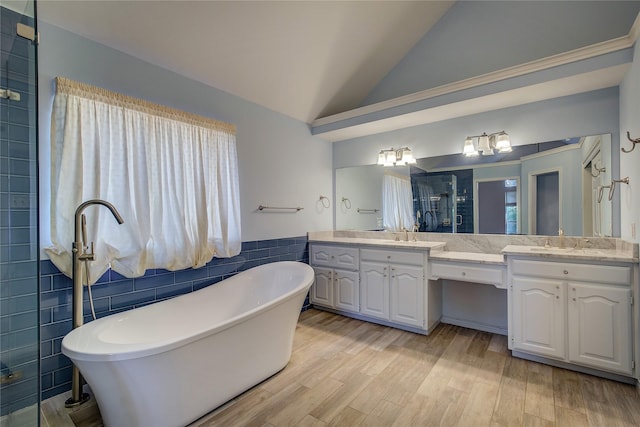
x=169, y=363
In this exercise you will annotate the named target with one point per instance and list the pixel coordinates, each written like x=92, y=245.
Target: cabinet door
x=321, y=255
x=322, y=289
x=334, y=256
x=345, y=258
x=374, y=290
x=347, y=290
x=599, y=326
x=407, y=295
x=539, y=316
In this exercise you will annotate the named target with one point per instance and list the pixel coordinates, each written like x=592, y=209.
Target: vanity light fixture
x=396, y=157
x=487, y=144
x=469, y=149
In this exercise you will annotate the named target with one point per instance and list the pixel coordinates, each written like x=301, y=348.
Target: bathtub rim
x=129, y=352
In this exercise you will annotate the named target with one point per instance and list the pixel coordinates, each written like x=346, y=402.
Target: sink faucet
x=582, y=243
x=561, y=234
x=406, y=234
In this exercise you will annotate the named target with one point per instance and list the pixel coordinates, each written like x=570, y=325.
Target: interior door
x=545, y=203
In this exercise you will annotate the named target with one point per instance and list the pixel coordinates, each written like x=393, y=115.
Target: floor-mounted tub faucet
x=80, y=254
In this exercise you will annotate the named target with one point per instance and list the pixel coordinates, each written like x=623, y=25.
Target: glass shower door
x=19, y=252
x=435, y=202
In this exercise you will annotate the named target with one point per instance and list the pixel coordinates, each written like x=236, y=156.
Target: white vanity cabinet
x=392, y=286
x=539, y=316
x=604, y=309
x=337, y=277
x=573, y=312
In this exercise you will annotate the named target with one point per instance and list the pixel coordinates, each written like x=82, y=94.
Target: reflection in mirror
x=359, y=198
x=496, y=211
x=459, y=194
x=545, y=209
x=435, y=200
x=397, y=206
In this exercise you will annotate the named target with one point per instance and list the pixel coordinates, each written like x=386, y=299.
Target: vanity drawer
x=618, y=275
x=468, y=272
x=395, y=257
x=334, y=256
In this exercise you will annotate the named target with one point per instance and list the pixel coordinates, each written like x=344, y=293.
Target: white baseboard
x=474, y=325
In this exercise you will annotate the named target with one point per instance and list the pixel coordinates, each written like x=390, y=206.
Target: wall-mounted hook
x=612, y=190
x=346, y=202
x=601, y=191
x=594, y=166
x=322, y=199
x=634, y=141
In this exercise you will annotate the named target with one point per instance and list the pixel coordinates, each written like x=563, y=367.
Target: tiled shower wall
x=114, y=293
x=18, y=223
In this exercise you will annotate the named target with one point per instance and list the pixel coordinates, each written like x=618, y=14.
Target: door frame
x=476, y=191
x=532, y=193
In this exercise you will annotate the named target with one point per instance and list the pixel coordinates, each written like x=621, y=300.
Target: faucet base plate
x=71, y=403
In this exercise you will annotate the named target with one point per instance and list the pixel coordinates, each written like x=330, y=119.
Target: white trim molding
x=398, y=121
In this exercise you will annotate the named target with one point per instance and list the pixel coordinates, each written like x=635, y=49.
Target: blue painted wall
x=272, y=148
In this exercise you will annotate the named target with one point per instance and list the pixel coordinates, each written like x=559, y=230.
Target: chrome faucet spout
x=88, y=203
x=406, y=234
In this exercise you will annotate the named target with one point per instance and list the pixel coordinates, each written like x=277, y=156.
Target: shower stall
x=19, y=251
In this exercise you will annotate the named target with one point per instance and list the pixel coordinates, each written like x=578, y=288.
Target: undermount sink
x=588, y=251
x=576, y=251
x=406, y=242
x=550, y=249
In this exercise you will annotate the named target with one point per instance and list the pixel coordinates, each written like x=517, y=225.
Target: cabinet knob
x=557, y=296
x=557, y=287
x=388, y=256
x=566, y=272
x=574, y=289
x=574, y=299
x=464, y=273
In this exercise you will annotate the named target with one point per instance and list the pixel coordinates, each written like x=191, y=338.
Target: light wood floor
x=344, y=372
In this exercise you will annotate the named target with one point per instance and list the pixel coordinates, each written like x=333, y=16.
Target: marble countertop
x=479, y=258
x=483, y=249
x=389, y=243
x=586, y=254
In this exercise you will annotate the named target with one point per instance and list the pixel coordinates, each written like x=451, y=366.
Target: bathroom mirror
x=535, y=189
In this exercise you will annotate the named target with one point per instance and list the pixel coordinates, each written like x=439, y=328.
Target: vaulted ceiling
x=304, y=59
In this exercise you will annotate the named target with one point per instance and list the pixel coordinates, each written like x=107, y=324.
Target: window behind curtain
x=172, y=175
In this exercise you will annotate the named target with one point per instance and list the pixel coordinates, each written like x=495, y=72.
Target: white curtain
x=397, y=203
x=172, y=175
